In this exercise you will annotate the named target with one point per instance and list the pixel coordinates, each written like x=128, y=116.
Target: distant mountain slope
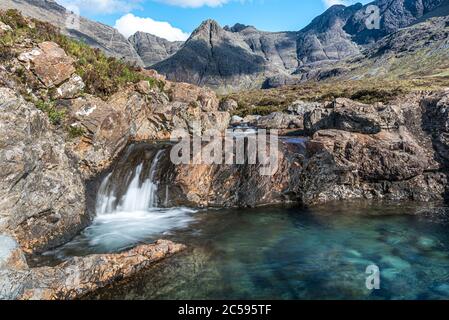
x=215, y=57
x=93, y=33
x=239, y=57
x=418, y=51
x=395, y=14
x=153, y=49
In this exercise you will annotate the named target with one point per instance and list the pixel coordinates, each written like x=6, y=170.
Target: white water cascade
x=138, y=197
x=133, y=217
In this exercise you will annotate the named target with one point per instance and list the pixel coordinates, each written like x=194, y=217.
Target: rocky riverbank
x=61, y=132
x=57, y=134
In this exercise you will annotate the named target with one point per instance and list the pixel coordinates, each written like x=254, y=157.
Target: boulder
x=351, y=116
x=343, y=165
x=4, y=28
x=50, y=63
x=143, y=87
x=279, y=120
x=300, y=107
x=236, y=120
x=41, y=195
x=228, y=105
x=70, y=89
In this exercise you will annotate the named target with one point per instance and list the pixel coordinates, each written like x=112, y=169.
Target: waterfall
x=139, y=196
x=127, y=210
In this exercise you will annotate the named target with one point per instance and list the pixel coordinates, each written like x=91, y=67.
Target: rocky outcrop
x=389, y=153
x=131, y=115
x=42, y=195
x=387, y=165
x=45, y=165
x=237, y=185
x=348, y=115
x=49, y=63
x=77, y=276
x=95, y=34
x=354, y=151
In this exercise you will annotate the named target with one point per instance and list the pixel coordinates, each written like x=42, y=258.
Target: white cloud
x=100, y=6
x=330, y=3
x=130, y=24
x=194, y=3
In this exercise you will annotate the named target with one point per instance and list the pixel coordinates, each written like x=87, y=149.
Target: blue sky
x=176, y=19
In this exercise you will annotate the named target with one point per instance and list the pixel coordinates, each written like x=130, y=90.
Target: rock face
x=235, y=185
x=347, y=115
x=42, y=197
x=81, y=275
x=133, y=116
x=393, y=166
x=264, y=59
x=50, y=63
x=393, y=155
x=153, y=49
x=95, y=34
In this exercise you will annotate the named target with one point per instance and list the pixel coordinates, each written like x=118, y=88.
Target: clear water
x=265, y=253
x=294, y=253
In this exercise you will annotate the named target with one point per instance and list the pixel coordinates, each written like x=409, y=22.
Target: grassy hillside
x=102, y=75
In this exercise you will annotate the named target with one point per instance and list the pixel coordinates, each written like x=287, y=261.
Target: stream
x=283, y=252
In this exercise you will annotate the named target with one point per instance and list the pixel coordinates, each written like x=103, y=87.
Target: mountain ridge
x=232, y=58
x=287, y=57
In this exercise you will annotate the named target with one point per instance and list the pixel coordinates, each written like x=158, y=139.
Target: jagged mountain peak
x=238, y=27
x=206, y=28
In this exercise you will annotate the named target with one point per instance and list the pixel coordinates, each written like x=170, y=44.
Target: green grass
x=55, y=116
x=368, y=91
x=75, y=132
x=102, y=75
